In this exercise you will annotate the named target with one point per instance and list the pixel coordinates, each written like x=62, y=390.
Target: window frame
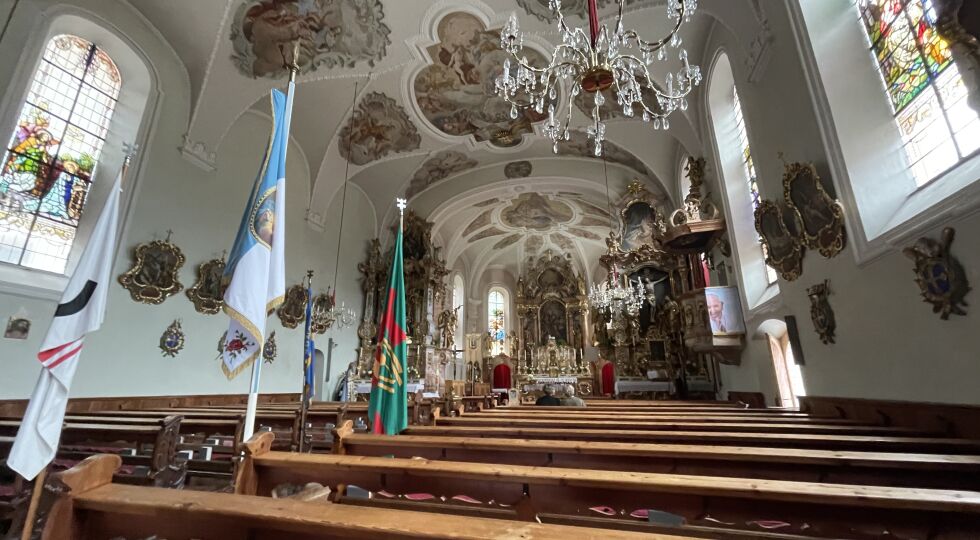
x=132, y=122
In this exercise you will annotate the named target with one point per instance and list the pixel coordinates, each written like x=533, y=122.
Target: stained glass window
x=924, y=87
x=495, y=321
x=49, y=162
x=749, y=167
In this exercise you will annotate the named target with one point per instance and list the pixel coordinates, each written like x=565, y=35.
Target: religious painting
x=639, y=225
x=821, y=216
x=456, y=93
x=17, y=328
x=292, y=311
x=439, y=167
x=783, y=251
x=379, y=126
x=154, y=275
x=209, y=292
x=553, y=323
x=518, y=169
x=940, y=276
x=328, y=33
x=724, y=310
x=535, y=212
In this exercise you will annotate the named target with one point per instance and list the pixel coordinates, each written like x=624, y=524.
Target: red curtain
x=608, y=379
x=501, y=376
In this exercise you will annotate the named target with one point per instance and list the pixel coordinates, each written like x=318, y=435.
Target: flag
x=81, y=311
x=388, y=409
x=308, y=348
x=256, y=269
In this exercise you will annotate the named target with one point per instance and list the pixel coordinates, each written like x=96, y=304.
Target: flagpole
x=253, y=389
x=307, y=389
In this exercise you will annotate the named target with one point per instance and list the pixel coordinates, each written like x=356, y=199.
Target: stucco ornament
x=378, y=127
x=331, y=33
x=440, y=166
x=172, y=340
x=941, y=278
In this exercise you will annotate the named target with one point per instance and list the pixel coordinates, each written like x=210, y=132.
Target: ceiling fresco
x=585, y=102
x=331, y=33
x=570, y=8
x=437, y=168
x=579, y=145
x=563, y=242
x=481, y=221
x=378, y=127
x=507, y=241
x=456, y=92
x=533, y=244
x=493, y=231
x=582, y=233
x=487, y=202
x=518, y=169
x=532, y=211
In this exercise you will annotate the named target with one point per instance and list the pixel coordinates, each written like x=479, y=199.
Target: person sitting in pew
x=571, y=400
x=548, y=399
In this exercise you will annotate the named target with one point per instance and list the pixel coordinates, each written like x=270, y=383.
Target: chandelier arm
x=646, y=74
x=552, y=66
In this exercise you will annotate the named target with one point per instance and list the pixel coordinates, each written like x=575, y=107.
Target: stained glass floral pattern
x=495, y=318
x=923, y=85
x=53, y=152
x=749, y=166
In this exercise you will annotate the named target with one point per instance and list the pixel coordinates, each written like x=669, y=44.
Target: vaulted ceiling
x=397, y=96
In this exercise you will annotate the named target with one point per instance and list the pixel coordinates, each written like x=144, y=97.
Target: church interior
x=732, y=238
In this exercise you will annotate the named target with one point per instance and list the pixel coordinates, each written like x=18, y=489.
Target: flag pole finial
x=401, y=204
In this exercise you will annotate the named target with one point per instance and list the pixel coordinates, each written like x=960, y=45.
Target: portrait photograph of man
x=724, y=310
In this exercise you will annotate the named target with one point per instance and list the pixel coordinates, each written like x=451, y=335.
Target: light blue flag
x=256, y=267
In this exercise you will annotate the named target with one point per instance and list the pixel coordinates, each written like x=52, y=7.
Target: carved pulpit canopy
x=697, y=226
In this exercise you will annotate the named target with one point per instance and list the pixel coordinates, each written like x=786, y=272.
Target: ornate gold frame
x=320, y=313
x=153, y=279
x=821, y=313
x=830, y=238
x=790, y=263
x=293, y=308
x=204, y=302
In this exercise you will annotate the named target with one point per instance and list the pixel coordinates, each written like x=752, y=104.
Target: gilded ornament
x=820, y=311
x=269, y=349
x=941, y=278
x=208, y=292
x=172, y=340
x=820, y=216
x=154, y=275
x=293, y=308
x=784, y=252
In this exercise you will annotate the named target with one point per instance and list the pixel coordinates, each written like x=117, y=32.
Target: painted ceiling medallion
x=331, y=33
x=456, y=92
x=437, y=168
x=518, y=169
x=379, y=126
x=535, y=212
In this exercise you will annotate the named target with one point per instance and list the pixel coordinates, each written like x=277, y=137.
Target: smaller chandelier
x=594, y=61
x=326, y=313
x=618, y=294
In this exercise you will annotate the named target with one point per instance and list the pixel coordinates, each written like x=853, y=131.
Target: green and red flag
x=388, y=409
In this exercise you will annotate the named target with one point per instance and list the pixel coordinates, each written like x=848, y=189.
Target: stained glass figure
x=52, y=154
x=495, y=321
x=923, y=85
x=749, y=167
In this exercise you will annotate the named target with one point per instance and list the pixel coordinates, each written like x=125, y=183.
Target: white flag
x=81, y=311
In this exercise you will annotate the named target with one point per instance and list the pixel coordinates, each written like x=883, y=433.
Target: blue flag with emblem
x=256, y=268
x=308, y=348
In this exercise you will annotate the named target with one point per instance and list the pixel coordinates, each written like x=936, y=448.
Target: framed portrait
x=154, y=275
x=724, y=311
x=208, y=292
x=820, y=216
x=639, y=224
x=17, y=328
x=780, y=238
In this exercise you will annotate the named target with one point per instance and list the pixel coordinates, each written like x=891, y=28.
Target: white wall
x=889, y=343
x=203, y=209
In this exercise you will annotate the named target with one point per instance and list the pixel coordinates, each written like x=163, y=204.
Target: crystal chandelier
x=618, y=294
x=595, y=61
x=327, y=313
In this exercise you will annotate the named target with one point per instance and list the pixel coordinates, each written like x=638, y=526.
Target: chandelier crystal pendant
x=618, y=294
x=594, y=61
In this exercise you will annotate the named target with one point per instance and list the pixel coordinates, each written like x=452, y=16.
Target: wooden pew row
x=16, y=407
x=93, y=508
x=626, y=403
x=160, y=466
x=811, y=509
x=726, y=438
x=839, y=467
x=678, y=417
x=486, y=421
x=755, y=413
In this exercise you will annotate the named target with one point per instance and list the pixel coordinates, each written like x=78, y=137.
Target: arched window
x=497, y=319
x=750, y=176
x=459, y=301
x=938, y=127
x=52, y=154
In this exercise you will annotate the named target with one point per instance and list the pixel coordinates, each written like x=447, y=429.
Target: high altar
x=425, y=294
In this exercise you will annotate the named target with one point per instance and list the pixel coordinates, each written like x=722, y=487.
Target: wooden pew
x=725, y=438
x=90, y=507
x=679, y=417
x=754, y=413
x=80, y=439
x=487, y=421
x=813, y=509
x=840, y=467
